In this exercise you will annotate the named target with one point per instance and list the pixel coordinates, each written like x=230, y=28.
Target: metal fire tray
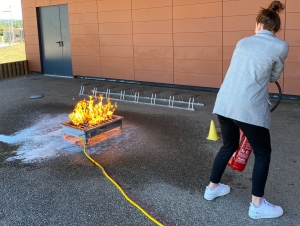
x=87, y=132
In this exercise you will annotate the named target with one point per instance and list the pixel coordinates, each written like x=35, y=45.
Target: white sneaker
x=265, y=210
x=221, y=190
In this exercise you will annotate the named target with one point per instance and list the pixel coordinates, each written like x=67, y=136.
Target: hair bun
x=276, y=6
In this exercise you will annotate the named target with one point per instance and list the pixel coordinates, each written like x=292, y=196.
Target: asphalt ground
x=161, y=157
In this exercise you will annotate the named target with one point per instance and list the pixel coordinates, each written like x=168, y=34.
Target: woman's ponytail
x=269, y=17
x=276, y=7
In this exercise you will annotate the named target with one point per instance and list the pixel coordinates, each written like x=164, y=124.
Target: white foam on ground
x=42, y=140
x=45, y=139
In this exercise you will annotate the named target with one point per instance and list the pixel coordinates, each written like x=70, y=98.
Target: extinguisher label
x=243, y=154
x=241, y=158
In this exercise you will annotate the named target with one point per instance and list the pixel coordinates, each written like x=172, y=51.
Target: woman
x=243, y=103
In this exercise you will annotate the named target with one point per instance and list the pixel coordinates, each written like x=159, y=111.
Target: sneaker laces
x=269, y=204
x=222, y=185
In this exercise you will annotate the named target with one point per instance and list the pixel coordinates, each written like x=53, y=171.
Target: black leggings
x=259, y=139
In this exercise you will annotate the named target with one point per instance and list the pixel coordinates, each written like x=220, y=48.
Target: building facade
x=15, y=35
x=181, y=42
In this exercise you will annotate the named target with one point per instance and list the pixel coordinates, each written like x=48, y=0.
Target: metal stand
x=157, y=98
x=87, y=132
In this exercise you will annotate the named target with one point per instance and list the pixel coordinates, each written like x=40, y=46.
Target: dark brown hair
x=269, y=17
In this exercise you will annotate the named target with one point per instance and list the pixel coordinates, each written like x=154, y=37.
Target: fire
x=90, y=113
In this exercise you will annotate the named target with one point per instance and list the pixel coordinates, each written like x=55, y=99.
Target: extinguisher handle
x=279, y=97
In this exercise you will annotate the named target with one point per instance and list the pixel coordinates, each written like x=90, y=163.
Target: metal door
x=55, y=40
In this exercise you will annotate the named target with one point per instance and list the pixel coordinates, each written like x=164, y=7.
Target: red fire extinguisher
x=240, y=158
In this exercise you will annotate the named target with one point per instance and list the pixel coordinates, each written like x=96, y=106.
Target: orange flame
x=86, y=112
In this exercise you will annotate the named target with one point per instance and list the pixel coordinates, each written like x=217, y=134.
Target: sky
x=15, y=8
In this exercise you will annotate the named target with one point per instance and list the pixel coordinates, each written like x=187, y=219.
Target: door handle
x=61, y=43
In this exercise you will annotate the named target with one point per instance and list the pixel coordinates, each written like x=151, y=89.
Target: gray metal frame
x=91, y=131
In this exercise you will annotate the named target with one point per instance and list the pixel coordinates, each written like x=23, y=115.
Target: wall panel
x=153, y=40
x=291, y=86
x=243, y=7
x=117, y=62
x=197, y=33
x=154, y=76
x=152, y=27
x=89, y=61
x=150, y=14
x=117, y=73
x=192, y=2
x=32, y=48
x=83, y=29
x=124, y=28
x=197, y=25
x=59, y=2
x=31, y=39
x=116, y=51
x=84, y=39
x=85, y=50
x=34, y=63
x=28, y=4
x=198, y=53
x=292, y=6
x=292, y=36
x=185, y=11
x=294, y=54
x=86, y=70
x=83, y=7
x=40, y=3
x=152, y=64
x=29, y=12
x=75, y=1
x=84, y=35
x=153, y=52
x=114, y=16
x=114, y=5
x=195, y=79
x=211, y=39
x=142, y=4
x=31, y=35
x=115, y=35
x=83, y=18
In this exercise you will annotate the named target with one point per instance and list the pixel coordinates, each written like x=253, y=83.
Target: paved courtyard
x=161, y=157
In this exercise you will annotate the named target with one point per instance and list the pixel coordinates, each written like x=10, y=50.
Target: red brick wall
x=186, y=42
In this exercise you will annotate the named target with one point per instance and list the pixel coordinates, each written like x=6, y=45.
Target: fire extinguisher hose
x=118, y=186
x=279, y=96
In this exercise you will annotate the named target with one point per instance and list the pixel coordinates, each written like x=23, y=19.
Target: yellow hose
x=120, y=189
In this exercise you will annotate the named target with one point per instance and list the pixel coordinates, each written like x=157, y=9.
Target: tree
x=6, y=23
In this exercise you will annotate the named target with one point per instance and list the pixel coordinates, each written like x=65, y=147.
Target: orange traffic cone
x=212, y=135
